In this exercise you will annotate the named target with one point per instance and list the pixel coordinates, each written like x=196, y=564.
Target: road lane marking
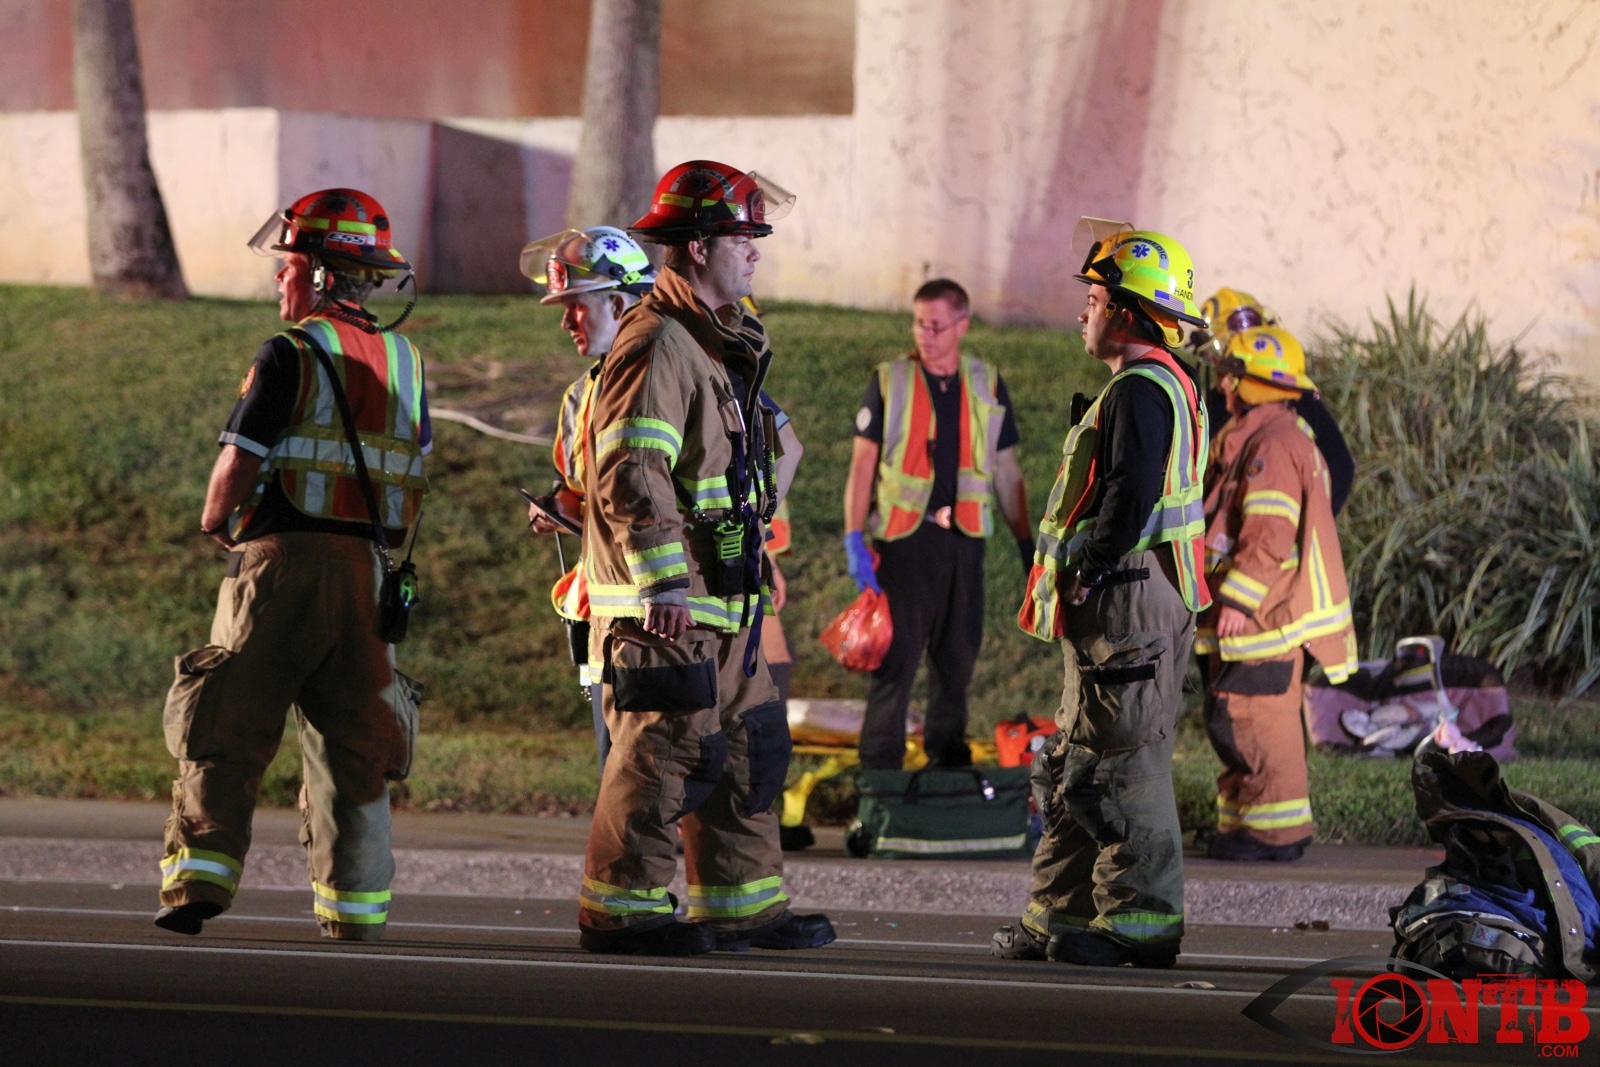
x=847, y=940
x=706, y=1029
x=643, y=968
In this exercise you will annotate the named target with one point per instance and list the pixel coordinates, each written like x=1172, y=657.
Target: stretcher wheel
x=858, y=841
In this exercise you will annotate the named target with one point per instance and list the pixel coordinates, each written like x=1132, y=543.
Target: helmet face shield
x=583, y=261
x=760, y=200
x=536, y=255
x=1090, y=239
x=273, y=237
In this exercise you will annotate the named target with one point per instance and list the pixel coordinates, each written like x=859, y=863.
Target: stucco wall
x=1321, y=154
x=221, y=174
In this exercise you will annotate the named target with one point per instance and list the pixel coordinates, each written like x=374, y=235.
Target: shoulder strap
x=362, y=476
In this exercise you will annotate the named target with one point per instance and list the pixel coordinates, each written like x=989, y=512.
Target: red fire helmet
x=702, y=198
x=343, y=226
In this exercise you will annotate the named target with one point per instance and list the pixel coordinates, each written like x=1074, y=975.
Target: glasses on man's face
x=934, y=329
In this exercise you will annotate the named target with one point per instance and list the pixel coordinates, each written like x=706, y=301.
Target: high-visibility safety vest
x=382, y=378
x=1178, y=518
x=905, y=462
x=570, y=595
x=566, y=451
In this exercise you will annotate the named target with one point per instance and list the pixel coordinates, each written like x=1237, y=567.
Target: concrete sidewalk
x=119, y=842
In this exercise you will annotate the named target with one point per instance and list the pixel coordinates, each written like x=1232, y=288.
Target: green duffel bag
x=965, y=813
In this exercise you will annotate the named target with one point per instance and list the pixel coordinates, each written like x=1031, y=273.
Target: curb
x=854, y=885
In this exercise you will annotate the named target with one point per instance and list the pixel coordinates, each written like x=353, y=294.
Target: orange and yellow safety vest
x=905, y=462
x=382, y=378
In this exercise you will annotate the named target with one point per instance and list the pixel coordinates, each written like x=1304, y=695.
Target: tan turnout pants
x=295, y=625
x=1111, y=858
x=715, y=772
x=1254, y=722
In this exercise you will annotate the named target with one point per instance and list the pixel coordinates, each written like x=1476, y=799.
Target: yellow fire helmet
x=1227, y=311
x=1150, y=266
x=1271, y=365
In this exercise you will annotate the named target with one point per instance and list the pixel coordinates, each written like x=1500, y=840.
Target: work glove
x=1025, y=550
x=861, y=565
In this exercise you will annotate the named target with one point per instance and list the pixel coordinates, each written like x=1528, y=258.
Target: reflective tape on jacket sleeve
x=653, y=565
x=640, y=433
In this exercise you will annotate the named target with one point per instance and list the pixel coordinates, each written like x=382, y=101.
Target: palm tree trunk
x=130, y=243
x=614, y=172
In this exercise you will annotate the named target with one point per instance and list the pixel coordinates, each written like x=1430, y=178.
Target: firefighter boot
x=785, y=932
x=669, y=938
x=1017, y=942
x=1091, y=948
x=187, y=918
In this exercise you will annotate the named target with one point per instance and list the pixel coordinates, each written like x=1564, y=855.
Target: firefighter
x=297, y=620
x=681, y=475
x=1273, y=559
x=1231, y=311
x=595, y=275
x=1116, y=578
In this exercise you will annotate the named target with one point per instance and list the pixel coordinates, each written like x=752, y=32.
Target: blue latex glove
x=861, y=569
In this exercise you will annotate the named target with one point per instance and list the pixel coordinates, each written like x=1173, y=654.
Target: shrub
x=1477, y=496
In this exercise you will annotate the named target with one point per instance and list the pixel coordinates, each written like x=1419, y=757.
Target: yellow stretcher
x=839, y=752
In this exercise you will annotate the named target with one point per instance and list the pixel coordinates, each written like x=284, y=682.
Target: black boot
x=1017, y=943
x=1242, y=849
x=661, y=939
x=187, y=918
x=1091, y=948
x=786, y=931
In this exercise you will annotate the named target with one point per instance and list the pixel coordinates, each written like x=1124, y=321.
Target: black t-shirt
x=1135, y=441
x=267, y=398
x=946, y=448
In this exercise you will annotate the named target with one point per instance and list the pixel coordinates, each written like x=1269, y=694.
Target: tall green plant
x=1477, y=496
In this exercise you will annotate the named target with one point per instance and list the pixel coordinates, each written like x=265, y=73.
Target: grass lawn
x=107, y=432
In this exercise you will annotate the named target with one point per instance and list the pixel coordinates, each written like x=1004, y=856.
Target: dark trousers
x=934, y=581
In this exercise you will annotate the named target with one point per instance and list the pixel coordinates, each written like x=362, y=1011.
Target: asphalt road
x=86, y=979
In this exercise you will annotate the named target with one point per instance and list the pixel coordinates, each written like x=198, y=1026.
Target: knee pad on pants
x=1044, y=776
x=1085, y=789
x=766, y=728
x=705, y=774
